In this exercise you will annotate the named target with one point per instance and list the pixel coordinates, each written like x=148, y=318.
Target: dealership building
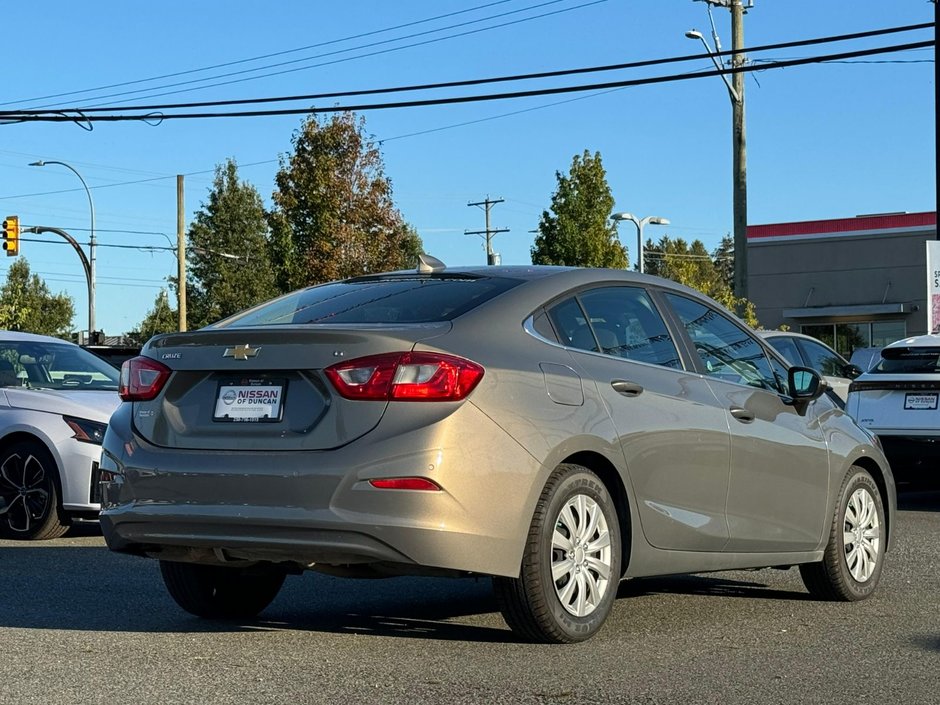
x=850, y=282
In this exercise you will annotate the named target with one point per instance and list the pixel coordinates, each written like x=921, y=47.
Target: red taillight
x=406, y=483
x=410, y=376
x=142, y=379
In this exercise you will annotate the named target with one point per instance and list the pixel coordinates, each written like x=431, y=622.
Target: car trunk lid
x=264, y=388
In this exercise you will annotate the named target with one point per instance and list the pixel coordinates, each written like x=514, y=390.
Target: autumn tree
x=26, y=304
x=333, y=213
x=723, y=256
x=693, y=266
x=578, y=231
x=162, y=318
x=228, y=265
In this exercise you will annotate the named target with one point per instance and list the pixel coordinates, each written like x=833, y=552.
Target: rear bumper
x=317, y=507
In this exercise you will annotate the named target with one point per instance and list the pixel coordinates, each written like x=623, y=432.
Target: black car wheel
x=29, y=497
x=220, y=592
x=571, y=565
x=854, y=556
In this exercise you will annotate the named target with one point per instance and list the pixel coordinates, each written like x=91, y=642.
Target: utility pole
x=738, y=133
x=491, y=257
x=180, y=253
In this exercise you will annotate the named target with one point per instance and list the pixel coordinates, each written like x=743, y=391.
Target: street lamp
x=639, y=223
x=91, y=245
x=695, y=34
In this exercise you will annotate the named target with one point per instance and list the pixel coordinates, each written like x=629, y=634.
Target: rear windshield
x=400, y=299
x=908, y=361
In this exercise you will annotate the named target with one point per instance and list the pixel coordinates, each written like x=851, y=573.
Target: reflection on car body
x=557, y=429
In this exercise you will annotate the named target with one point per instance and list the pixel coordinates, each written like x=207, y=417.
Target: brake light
x=142, y=379
x=409, y=376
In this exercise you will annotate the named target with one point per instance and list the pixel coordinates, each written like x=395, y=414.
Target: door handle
x=626, y=388
x=742, y=415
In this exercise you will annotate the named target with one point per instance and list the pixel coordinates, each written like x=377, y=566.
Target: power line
x=495, y=79
x=14, y=117
x=358, y=56
x=264, y=56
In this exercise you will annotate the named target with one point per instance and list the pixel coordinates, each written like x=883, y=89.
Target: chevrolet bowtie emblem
x=241, y=352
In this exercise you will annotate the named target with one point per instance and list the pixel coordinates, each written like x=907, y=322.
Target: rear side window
x=620, y=321
x=908, y=361
x=400, y=299
x=823, y=359
x=787, y=348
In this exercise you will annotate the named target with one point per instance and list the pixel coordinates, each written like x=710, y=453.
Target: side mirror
x=851, y=371
x=805, y=384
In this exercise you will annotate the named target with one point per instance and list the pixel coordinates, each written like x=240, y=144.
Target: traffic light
x=11, y=235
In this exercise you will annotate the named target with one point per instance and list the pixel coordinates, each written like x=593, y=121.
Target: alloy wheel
x=861, y=537
x=24, y=491
x=581, y=555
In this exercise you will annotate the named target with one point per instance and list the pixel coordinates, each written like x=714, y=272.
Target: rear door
x=673, y=434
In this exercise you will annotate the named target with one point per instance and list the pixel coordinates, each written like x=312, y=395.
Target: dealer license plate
x=249, y=401
x=920, y=401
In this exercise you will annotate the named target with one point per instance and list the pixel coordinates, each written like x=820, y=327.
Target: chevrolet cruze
x=557, y=429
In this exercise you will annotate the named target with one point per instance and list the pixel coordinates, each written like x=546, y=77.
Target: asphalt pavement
x=79, y=624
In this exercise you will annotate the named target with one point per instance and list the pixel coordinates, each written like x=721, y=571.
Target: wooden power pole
x=180, y=253
x=739, y=151
x=487, y=204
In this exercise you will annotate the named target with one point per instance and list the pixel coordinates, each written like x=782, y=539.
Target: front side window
x=619, y=321
x=822, y=359
x=786, y=347
x=727, y=351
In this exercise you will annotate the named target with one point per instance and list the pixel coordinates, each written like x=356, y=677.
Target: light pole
x=91, y=246
x=639, y=223
x=738, y=132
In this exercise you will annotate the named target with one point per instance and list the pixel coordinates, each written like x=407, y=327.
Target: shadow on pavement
x=705, y=585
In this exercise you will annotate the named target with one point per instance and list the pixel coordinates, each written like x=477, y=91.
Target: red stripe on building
x=873, y=223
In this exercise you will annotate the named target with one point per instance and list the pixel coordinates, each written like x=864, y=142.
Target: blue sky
x=824, y=141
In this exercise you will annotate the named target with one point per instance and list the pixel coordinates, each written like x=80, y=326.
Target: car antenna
x=429, y=265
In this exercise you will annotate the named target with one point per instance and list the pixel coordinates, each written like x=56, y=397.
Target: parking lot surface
x=80, y=624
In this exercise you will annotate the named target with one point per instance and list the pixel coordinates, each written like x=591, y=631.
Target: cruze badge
x=241, y=352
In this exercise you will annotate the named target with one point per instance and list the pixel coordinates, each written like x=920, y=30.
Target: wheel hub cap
x=861, y=536
x=581, y=555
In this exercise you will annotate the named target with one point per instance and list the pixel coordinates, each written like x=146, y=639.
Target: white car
x=55, y=402
x=806, y=351
x=899, y=401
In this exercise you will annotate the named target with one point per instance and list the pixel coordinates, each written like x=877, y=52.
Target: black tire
x=29, y=493
x=220, y=592
x=532, y=604
x=833, y=578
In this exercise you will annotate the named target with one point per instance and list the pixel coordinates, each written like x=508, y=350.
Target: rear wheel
x=29, y=497
x=571, y=564
x=220, y=592
x=852, y=562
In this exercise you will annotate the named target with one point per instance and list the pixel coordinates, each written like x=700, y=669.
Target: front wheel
x=854, y=556
x=221, y=592
x=571, y=565
x=29, y=498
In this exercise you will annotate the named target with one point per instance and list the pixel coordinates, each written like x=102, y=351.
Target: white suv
x=899, y=401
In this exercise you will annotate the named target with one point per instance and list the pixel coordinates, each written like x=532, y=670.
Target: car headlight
x=86, y=431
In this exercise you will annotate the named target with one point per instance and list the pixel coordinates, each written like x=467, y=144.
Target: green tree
x=723, y=255
x=693, y=266
x=333, y=213
x=26, y=304
x=231, y=222
x=162, y=318
x=578, y=231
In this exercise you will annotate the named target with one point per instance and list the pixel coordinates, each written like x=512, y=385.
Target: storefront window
x=846, y=337
x=886, y=332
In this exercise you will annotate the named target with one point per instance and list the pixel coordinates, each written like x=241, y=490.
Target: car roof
x=789, y=334
x=917, y=341
x=20, y=337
